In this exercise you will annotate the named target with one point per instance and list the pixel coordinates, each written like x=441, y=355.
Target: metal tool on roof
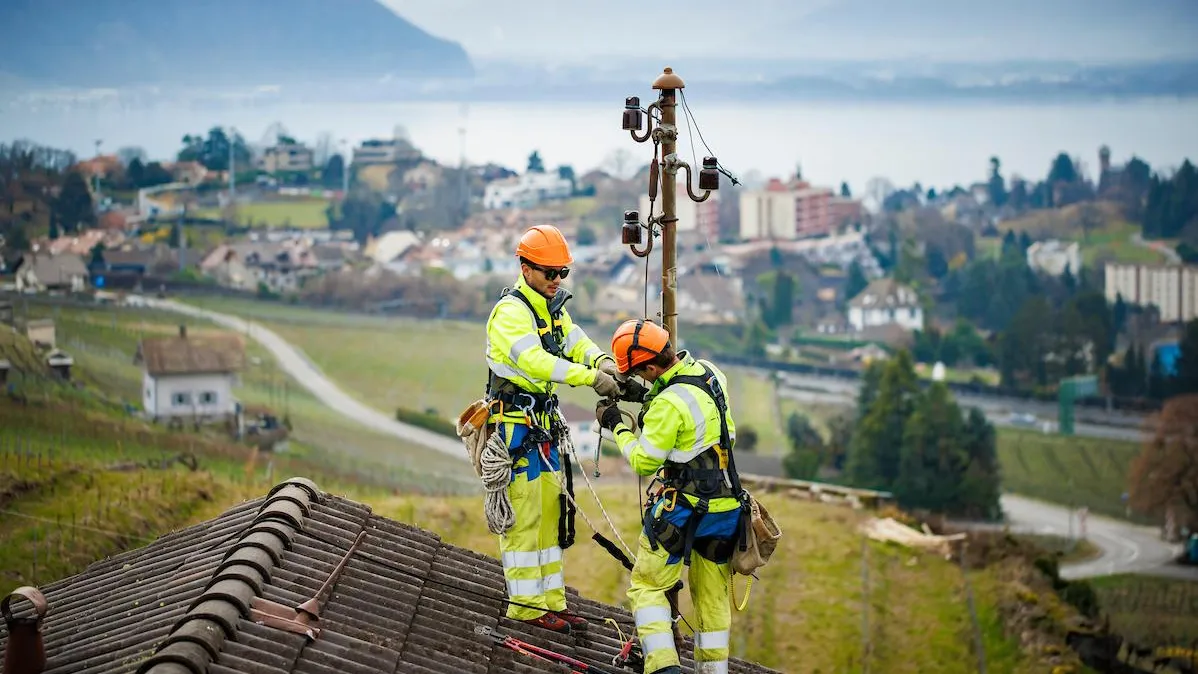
x=302, y=619
x=523, y=647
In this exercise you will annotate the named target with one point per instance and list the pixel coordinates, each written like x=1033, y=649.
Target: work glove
x=632, y=391
x=607, y=414
x=609, y=366
x=605, y=385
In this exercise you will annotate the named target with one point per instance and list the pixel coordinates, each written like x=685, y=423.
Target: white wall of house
x=202, y=395
x=910, y=318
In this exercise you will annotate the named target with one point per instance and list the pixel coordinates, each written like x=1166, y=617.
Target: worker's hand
x=607, y=414
x=632, y=391
x=609, y=366
x=605, y=385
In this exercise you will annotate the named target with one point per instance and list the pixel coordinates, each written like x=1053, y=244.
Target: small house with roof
x=188, y=376
x=885, y=302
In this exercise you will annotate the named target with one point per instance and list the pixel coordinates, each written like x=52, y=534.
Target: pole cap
x=668, y=80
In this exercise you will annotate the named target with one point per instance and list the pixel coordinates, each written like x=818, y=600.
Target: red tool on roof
x=525, y=648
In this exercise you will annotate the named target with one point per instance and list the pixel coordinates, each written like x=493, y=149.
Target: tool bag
x=474, y=431
x=762, y=536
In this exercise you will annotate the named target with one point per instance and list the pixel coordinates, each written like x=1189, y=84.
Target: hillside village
x=794, y=270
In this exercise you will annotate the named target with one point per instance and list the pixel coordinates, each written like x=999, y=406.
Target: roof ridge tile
x=196, y=639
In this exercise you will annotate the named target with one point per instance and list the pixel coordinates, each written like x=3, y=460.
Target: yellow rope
x=732, y=592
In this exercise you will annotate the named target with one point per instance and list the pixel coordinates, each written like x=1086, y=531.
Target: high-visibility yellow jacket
x=680, y=423
x=515, y=353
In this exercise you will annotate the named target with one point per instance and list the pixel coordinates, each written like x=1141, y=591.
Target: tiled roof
x=191, y=602
x=207, y=354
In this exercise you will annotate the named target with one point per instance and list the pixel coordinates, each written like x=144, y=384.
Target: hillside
x=216, y=42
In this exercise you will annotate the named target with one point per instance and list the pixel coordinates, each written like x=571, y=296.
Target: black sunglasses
x=552, y=274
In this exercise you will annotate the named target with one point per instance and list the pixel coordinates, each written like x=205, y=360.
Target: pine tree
x=873, y=460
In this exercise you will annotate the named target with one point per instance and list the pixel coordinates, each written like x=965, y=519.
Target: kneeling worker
x=532, y=347
x=696, y=518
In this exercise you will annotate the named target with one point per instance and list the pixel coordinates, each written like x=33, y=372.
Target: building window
x=208, y=398
x=181, y=399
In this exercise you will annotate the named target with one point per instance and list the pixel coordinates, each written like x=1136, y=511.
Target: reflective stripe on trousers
x=532, y=559
x=712, y=619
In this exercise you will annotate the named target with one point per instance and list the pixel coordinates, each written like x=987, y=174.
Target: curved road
x=1126, y=547
x=296, y=364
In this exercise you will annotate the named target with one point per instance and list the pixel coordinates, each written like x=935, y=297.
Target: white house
x=1052, y=257
x=526, y=191
x=885, y=302
x=41, y=271
x=189, y=377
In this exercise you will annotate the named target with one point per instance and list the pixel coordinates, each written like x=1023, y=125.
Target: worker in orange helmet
x=532, y=347
x=699, y=514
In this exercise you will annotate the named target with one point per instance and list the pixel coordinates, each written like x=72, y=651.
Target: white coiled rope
x=496, y=465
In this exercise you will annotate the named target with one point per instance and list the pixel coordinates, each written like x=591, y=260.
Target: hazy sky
x=973, y=30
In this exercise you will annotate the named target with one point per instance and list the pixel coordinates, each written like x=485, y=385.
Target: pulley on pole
x=663, y=170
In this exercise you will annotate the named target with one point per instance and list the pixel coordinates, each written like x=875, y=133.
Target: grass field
x=1151, y=612
x=300, y=213
x=104, y=340
x=1108, y=241
x=1088, y=472
x=805, y=614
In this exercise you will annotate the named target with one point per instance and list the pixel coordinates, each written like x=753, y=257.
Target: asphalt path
x=296, y=364
x=1126, y=547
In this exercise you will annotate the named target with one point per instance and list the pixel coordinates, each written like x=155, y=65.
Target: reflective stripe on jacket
x=680, y=423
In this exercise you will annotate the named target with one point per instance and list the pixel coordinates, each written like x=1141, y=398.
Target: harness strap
x=552, y=338
x=710, y=385
x=692, y=525
x=565, y=520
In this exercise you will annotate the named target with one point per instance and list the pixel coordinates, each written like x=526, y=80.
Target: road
x=1170, y=254
x=296, y=364
x=1126, y=547
x=810, y=389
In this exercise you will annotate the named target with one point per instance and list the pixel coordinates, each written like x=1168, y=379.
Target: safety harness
x=712, y=474
x=538, y=438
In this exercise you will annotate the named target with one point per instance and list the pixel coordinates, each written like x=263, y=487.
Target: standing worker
x=532, y=346
x=695, y=518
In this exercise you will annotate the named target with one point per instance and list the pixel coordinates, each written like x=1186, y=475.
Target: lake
x=935, y=144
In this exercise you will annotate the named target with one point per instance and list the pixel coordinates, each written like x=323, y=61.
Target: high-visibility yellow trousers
x=532, y=557
x=654, y=574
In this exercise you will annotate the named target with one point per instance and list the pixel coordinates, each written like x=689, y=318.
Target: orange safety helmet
x=544, y=245
x=637, y=342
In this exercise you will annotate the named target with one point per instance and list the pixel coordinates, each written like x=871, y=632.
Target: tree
x=783, y=299
x=937, y=265
x=856, y=281
x=135, y=173
x=17, y=240
x=176, y=238
x=1062, y=170
x=586, y=236
x=334, y=172
x=996, y=187
x=567, y=173
x=806, y=448
x=932, y=457
x=873, y=458
x=980, y=485
x=1067, y=278
x=97, y=256
x=128, y=154
x=156, y=174
x=1187, y=362
x=213, y=150
x=54, y=232
x=535, y=164
x=845, y=191
x=931, y=194
x=1165, y=474
x=74, y=204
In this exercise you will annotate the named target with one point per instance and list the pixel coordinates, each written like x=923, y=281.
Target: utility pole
x=664, y=168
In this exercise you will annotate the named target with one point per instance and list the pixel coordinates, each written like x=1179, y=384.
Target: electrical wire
x=686, y=109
